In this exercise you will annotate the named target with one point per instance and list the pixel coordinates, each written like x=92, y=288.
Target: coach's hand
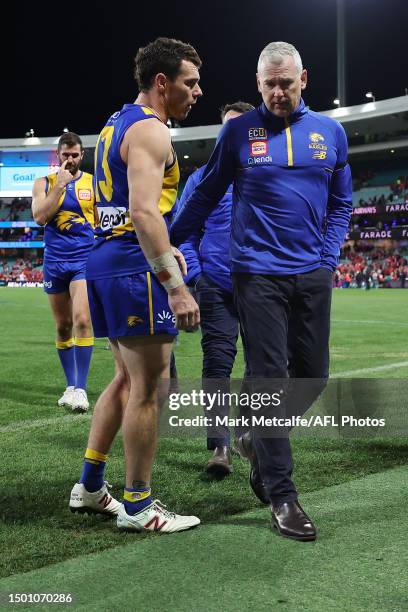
x=64, y=176
x=184, y=307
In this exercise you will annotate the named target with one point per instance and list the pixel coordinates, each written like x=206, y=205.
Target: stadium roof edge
x=359, y=115
x=369, y=110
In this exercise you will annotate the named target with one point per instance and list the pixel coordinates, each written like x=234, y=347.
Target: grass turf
x=42, y=447
x=354, y=565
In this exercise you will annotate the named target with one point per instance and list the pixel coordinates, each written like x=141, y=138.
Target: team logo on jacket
x=258, y=133
x=316, y=137
x=316, y=144
x=85, y=194
x=258, y=147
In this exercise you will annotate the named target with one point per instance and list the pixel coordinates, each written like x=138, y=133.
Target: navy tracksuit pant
x=219, y=328
x=286, y=325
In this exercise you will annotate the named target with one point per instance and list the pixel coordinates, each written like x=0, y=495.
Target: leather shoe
x=220, y=463
x=291, y=521
x=245, y=448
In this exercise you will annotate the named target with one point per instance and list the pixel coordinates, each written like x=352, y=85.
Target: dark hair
x=162, y=55
x=70, y=139
x=238, y=107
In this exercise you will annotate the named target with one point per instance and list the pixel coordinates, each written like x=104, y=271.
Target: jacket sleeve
x=339, y=205
x=218, y=175
x=190, y=247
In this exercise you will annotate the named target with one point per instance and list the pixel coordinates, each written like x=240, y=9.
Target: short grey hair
x=276, y=51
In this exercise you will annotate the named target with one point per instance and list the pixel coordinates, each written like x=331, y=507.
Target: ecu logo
x=133, y=320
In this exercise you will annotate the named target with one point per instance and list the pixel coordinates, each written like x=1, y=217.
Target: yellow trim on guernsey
x=84, y=341
x=150, y=296
x=93, y=454
x=66, y=344
x=289, y=143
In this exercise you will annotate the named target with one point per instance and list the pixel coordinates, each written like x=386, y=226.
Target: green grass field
x=355, y=489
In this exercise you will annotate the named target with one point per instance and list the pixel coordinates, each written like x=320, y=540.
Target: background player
x=64, y=203
x=207, y=253
x=136, y=178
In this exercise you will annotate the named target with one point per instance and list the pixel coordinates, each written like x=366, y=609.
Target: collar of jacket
x=280, y=122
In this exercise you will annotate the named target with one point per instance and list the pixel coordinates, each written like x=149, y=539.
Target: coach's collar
x=297, y=114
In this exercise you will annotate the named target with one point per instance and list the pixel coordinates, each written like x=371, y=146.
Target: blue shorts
x=134, y=305
x=59, y=275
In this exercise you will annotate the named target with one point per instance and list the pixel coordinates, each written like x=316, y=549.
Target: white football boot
x=155, y=517
x=79, y=402
x=99, y=502
x=67, y=397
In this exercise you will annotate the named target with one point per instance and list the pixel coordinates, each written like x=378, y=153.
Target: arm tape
x=167, y=270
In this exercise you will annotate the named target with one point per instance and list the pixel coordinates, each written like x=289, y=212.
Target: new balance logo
x=105, y=500
x=156, y=522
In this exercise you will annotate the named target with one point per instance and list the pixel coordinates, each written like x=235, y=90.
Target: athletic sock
x=66, y=354
x=135, y=500
x=93, y=470
x=83, y=353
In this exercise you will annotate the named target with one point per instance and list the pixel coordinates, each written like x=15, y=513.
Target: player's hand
x=64, y=176
x=185, y=308
x=180, y=260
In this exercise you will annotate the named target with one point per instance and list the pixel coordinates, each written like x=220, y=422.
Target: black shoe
x=220, y=463
x=246, y=450
x=291, y=521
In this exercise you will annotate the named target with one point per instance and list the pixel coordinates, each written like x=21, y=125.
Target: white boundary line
x=370, y=322
x=387, y=366
x=25, y=425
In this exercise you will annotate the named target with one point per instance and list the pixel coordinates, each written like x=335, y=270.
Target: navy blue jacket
x=292, y=196
x=207, y=250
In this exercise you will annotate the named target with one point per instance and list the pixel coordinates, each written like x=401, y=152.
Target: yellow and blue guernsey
x=117, y=251
x=69, y=235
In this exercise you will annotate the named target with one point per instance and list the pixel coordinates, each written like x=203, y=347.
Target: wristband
x=167, y=270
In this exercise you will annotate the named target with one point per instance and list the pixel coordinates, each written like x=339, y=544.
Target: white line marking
x=22, y=425
x=369, y=322
x=25, y=425
x=388, y=366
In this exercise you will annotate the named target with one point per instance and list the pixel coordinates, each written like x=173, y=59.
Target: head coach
x=292, y=203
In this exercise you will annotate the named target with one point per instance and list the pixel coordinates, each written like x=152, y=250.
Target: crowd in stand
x=365, y=266
x=21, y=270
x=362, y=265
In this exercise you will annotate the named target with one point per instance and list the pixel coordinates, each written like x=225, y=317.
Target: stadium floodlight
x=186, y=156
x=30, y=138
x=336, y=101
x=370, y=95
x=65, y=130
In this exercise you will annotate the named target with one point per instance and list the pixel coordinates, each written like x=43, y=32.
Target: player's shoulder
x=132, y=113
x=152, y=131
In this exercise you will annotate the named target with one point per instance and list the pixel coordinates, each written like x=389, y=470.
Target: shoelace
x=162, y=509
